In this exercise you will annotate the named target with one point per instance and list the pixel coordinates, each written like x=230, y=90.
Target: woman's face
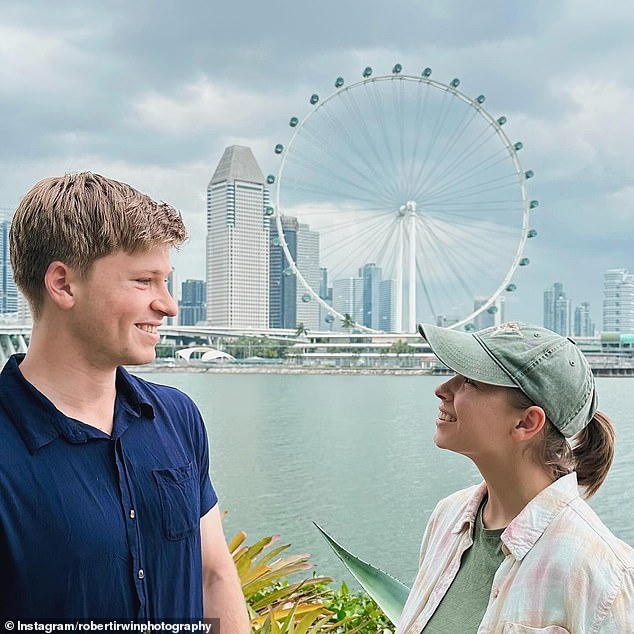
x=475, y=419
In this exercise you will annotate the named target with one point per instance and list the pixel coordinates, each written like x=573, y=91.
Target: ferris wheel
x=413, y=182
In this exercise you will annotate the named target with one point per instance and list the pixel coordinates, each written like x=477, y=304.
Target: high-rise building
x=557, y=312
x=171, y=288
x=388, y=311
x=584, y=326
x=347, y=298
x=618, y=301
x=308, y=264
x=238, y=235
x=191, y=308
x=8, y=289
x=486, y=318
x=326, y=319
x=282, y=280
x=371, y=275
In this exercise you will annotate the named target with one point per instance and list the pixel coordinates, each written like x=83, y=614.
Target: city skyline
x=92, y=91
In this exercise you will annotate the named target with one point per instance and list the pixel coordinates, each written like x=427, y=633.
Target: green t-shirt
x=463, y=606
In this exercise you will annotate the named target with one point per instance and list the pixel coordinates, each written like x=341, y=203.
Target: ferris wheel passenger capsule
x=293, y=122
x=518, y=146
x=314, y=98
x=275, y=242
x=455, y=82
x=501, y=120
x=524, y=262
x=269, y=211
x=288, y=271
x=534, y=204
x=511, y=287
x=529, y=174
x=531, y=233
x=492, y=310
x=339, y=82
x=367, y=71
x=306, y=297
x=270, y=179
x=480, y=99
x=427, y=72
x=279, y=148
x=397, y=69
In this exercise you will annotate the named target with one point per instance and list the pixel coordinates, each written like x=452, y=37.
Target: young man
x=106, y=507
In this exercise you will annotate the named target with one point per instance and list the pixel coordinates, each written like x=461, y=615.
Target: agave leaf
x=298, y=610
x=389, y=593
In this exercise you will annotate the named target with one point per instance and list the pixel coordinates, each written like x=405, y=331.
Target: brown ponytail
x=593, y=451
x=589, y=452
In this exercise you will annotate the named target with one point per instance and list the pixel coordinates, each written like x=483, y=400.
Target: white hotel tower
x=237, y=243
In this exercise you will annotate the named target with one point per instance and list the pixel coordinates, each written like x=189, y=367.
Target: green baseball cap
x=548, y=368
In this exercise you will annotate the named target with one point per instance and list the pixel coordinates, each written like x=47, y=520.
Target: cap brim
x=465, y=355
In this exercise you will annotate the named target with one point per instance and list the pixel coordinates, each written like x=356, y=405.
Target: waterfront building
x=583, y=326
x=557, y=310
x=388, y=310
x=191, y=308
x=308, y=264
x=371, y=275
x=347, y=298
x=282, y=280
x=238, y=234
x=171, y=289
x=8, y=289
x=618, y=301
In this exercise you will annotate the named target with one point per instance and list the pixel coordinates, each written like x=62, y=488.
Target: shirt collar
x=529, y=525
x=524, y=531
x=39, y=422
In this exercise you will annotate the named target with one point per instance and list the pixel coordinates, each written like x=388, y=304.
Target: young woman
x=522, y=552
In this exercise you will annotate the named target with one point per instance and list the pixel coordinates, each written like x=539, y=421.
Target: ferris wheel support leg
x=398, y=304
x=412, y=272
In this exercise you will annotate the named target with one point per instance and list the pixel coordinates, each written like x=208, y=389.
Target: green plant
x=279, y=605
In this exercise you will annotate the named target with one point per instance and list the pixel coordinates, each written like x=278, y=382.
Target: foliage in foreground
x=279, y=604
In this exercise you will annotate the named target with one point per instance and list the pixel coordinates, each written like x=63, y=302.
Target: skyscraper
x=308, y=264
x=618, y=301
x=8, y=289
x=388, y=311
x=237, y=243
x=371, y=274
x=282, y=280
x=485, y=319
x=191, y=309
x=347, y=298
x=584, y=326
x=557, y=312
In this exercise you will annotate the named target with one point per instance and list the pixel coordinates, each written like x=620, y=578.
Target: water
x=354, y=454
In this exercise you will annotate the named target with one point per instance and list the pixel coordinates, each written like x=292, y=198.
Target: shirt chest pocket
x=180, y=500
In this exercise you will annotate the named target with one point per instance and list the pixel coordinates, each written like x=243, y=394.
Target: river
x=355, y=454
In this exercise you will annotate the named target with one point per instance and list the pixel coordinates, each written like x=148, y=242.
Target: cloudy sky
x=152, y=92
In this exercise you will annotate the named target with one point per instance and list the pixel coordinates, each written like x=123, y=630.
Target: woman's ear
x=532, y=421
x=58, y=282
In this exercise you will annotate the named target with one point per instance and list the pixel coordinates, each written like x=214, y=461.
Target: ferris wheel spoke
x=347, y=238
x=450, y=145
x=484, y=137
x=494, y=184
x=419, y=118
x=483, y=165
x=357, y=122
x=341, y=131
x=435, y=133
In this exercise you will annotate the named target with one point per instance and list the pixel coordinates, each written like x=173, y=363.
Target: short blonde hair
x=79, y=218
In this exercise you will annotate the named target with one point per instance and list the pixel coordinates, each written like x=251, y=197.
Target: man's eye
x=143, y=280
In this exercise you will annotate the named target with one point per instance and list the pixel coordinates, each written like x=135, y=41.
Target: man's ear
x=532, y=421
x=59, y=282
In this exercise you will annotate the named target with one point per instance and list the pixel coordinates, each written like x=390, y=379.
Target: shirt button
x=132, y=514
x=141, y=573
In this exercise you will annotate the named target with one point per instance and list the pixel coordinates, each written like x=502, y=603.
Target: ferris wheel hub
x=409, y=208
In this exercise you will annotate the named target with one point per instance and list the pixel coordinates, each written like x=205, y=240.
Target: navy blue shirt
x=95, y=526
